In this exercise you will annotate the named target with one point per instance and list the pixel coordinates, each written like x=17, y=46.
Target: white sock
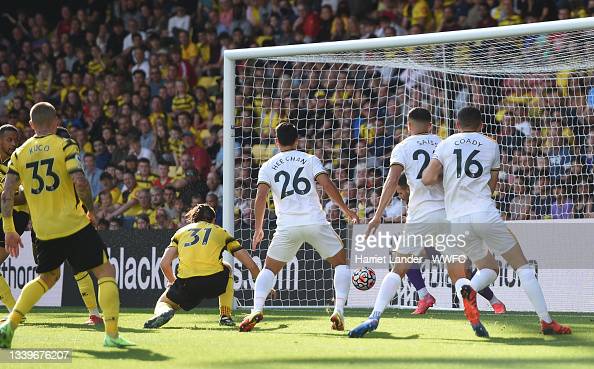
x=422, y=292
x=342, y=284
x=264, y=283
x=482, y=279
x=387, y=291
x=458, y=285
x=162, y=307
x=94, y=311
x=533, y=291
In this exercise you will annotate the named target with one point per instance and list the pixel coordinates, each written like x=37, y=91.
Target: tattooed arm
x=12, y=240
x=83, y=189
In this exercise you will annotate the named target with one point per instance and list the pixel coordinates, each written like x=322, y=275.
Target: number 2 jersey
x=200, y=249
x=291, y=176
x=43, y=165
x=468, y=159
x=414, y=154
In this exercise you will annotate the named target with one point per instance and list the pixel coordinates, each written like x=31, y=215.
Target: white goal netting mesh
x=535, y=92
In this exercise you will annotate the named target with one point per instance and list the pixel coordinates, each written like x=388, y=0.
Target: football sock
x=264, y=283
x=482, y=279
x=6, y=295
x=226, y=299
x=487, y=293
x=162, y=307
x=386, y=293
x=30, y=294
x=422, y=292
x=109, y=300
x=342, y=284
x=534, y=292
x=416, y=278
x=87, y=292
x=459, y=283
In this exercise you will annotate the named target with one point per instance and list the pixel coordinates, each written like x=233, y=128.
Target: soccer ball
x=363, y=278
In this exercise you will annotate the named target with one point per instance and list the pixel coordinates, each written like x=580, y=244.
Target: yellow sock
x=5, y=294
x=31, y=293
x=109, y=300
x=226, y=299
x=87, y=291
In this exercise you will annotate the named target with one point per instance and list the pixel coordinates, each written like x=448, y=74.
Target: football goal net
x=349, y=101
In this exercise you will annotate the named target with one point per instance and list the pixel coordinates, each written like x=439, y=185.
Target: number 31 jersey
x=43, y=165
x=414, y=154
x=468, y=159
x=291, y=176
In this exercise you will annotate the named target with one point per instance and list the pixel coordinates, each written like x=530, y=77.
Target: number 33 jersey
x=414, y=154
x=468, y=159
x=291, y=176
x=43, y=165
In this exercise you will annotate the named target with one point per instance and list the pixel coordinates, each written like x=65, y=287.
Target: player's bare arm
x=259, y=208
x=329, y=187
x=12, y=239
x=83, y=189
x=387, y=194
x=167, y=264
x=494, y=179
x=432, y=174
x=244, y=257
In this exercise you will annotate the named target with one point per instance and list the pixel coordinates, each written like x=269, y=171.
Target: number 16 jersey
x=43, y=165
x=291, y=176
x=468, y=158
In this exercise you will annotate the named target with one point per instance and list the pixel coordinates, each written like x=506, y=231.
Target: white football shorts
x=287, y=241
x=483, y=232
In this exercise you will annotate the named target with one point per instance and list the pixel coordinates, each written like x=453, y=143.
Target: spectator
x=93, y=174
x=199, y=155
x=102, y=156
x=144, y=177
x=213, y=201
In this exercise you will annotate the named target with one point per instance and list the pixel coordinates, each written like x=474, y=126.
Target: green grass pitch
x=303, y=339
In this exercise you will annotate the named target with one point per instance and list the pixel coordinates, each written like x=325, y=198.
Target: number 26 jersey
x=43, y=165
x=468, y=158
x=291, y=176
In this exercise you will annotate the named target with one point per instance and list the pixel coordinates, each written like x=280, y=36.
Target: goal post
x=345, y=92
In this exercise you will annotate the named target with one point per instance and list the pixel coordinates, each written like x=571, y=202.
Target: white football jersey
x=414, y=154
x=468, y=159
x=291, y=176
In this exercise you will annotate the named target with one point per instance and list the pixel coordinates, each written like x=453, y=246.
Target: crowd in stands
x=138, y=84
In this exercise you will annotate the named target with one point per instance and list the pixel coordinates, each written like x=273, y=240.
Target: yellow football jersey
x=200, y=248
x=44, y=165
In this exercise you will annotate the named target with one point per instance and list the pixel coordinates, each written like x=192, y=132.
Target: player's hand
x=92, y=218
x=258, y=236
x=12, y=240
x=372, y=226
x=351, y=216
x=273, y=294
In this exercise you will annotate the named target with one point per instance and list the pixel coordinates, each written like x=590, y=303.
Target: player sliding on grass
x=202, y=272
x=469, y=164
x=426, y=215
x=57, y=193
x=291, y=176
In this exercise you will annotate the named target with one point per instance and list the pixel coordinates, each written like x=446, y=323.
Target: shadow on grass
x=129, y=354
x=557, y=341
x=85, y=327
x=484, y=362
